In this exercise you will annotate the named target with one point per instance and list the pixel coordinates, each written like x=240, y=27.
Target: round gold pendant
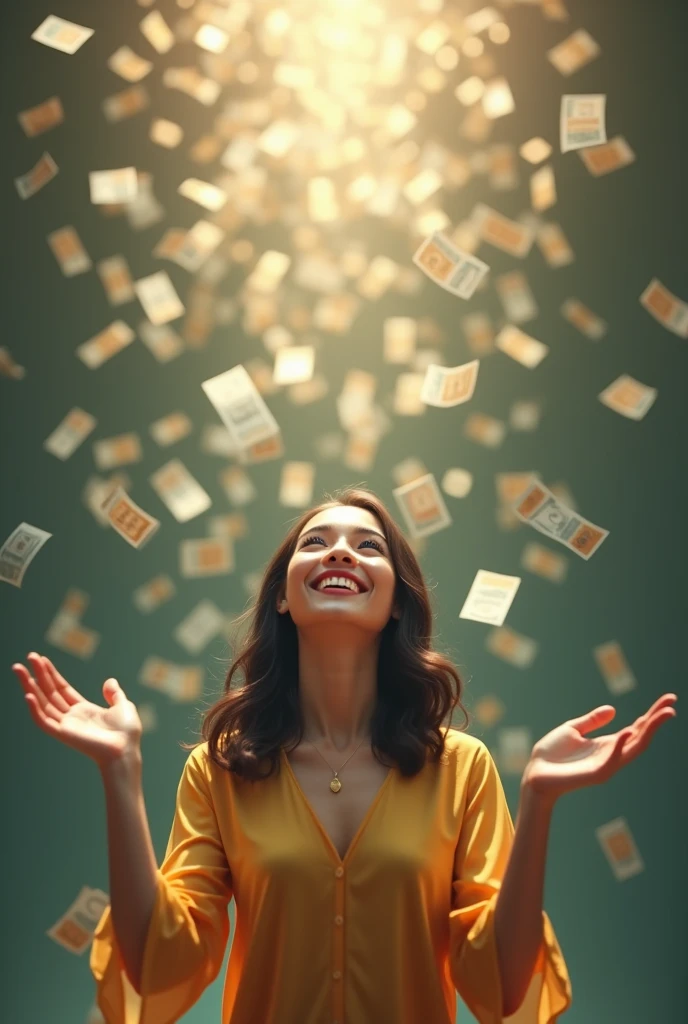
x=335, y=785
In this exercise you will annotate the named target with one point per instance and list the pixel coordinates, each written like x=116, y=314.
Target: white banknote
x=240, y=406
x=490, y=597
x=539, y=508
x=20, y=548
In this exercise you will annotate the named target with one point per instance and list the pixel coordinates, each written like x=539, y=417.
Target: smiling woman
x=334, y=666
x=371, y=900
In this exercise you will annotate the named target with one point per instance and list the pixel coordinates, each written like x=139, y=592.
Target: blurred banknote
x=106, y=344
x=116, y=278
x=116, y=186
x=512, y=647
x=120, y=450
x=615, y=670
x=611, y=156
x=240, y=406
x=582, y=121
x=71, y=432
x=69, y=635
x=521, y=347
x=587, y=322
x=149, y=596
x=209, y=556
x=545, y=563
x=125, y=103
x=508, y=235
x=574, y=52
x=200, y=626
x=159, y=299
x=128, y=519
x=17, y=552
x=69, y=251
x=128, y=65
x=74, y=931
x=619, y=848
x=34, y=180
x=539, y=508
x=628, y=397
x=61, y=35
x=516, y=297
x=666, y=308
x=42, y=117
x=455, y=271
x=180, y=491
x=422, y=506
x=157, y=32
x=447, y=386
x=181, y=683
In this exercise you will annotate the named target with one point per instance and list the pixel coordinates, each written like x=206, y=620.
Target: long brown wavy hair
x=247, y=726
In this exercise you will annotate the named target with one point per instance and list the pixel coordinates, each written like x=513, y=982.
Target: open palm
x=102, y=733
x=565, y=759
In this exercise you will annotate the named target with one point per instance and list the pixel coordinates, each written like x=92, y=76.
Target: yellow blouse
x=385, y=936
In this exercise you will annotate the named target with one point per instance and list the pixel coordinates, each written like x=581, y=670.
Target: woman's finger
x=666, y=700
x=70, y=695
x=45, y=688
x=43, y=722
x=49, y=688
x=31, y=686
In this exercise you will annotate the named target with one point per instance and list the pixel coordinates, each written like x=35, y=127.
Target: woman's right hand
x=103, y=734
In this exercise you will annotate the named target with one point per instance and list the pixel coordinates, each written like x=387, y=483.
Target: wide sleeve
x=480, y=862
x=189, y=927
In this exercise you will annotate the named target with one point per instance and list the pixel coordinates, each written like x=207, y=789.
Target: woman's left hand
x=564, y=760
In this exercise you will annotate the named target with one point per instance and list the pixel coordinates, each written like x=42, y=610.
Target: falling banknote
x=61, y=35
x=447, y=386
x=582, y=121
x=455, y=271
x=490, y=597
x=422, y=506
x=40, y=174
x=240, y=406
x=22, y=545
x=75, y=928
x=131, y=522
x=619, y=848
x=538, y=507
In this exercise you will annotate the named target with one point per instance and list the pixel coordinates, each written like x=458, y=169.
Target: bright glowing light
x=211, y=38
x=499, y=33
x=470, y=90
x=247, y=72
x=497, y=98
x=447, y=58
x=241, y=251
x=277, y=22
x=535, y=150
x=472, y=46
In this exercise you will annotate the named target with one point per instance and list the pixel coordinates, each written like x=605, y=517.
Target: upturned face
x=347, y=545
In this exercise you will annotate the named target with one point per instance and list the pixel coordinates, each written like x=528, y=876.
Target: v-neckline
x=321, y=827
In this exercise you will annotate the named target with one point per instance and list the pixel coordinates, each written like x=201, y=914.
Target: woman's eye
x=369, y=540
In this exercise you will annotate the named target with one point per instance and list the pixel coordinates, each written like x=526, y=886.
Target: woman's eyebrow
x=354, y=530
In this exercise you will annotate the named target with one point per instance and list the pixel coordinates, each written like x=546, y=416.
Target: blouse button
x=339, y=919
x=336, y=975
x=339, y=871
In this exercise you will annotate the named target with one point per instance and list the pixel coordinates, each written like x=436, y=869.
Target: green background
x=624, y=943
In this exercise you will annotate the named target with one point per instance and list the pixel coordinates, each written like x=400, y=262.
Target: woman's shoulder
x=455, y=740
x=461, y=749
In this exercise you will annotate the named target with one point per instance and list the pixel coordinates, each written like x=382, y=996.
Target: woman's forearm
x=132, y=864
x=518, y=913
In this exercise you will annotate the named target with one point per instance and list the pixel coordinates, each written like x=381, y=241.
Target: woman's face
x=345, y=539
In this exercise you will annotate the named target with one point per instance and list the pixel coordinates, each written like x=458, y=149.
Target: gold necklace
x=335, y=785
